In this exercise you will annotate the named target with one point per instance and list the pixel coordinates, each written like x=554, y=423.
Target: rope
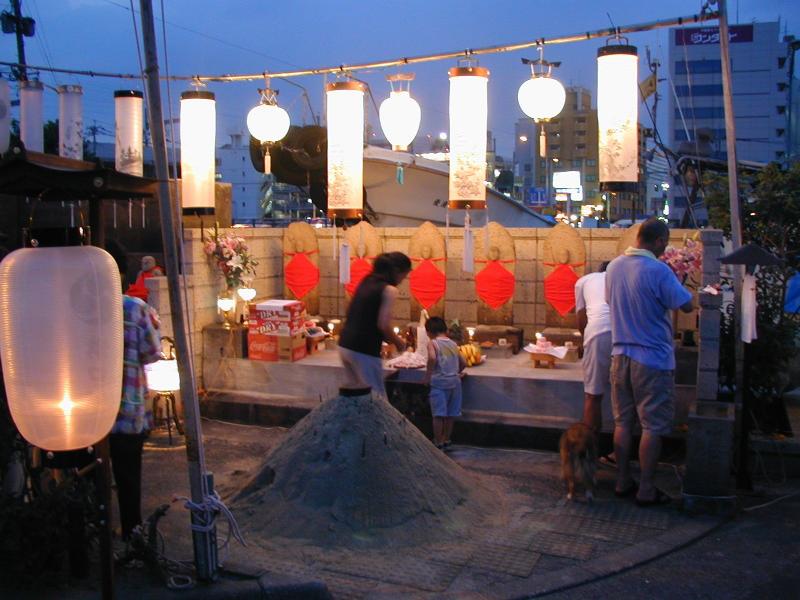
x=207, y=512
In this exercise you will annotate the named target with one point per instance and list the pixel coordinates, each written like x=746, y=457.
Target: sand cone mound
x=356, y=471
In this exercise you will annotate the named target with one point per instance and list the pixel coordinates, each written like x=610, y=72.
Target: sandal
x=608, y=459
x=630, y=490
x=660, y=499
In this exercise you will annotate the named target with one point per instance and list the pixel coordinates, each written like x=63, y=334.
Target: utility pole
x=204, y=536
x=22, y=71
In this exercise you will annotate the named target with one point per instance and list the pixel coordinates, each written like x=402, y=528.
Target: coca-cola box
x=276, y=347
x=283, y=317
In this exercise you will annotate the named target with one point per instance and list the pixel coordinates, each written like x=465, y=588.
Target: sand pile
x=356, y=471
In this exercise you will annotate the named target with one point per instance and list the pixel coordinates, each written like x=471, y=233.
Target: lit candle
x=471, y=332
x=538, y=336
x=397, y=331
x=331, y=327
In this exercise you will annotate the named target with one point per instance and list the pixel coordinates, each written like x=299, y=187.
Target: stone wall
x=203, y=284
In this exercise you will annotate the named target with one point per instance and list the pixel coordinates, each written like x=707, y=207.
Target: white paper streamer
x=469, y=246
x=344, y=264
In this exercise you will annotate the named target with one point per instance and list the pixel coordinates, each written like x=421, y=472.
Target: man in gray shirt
x=641, y=292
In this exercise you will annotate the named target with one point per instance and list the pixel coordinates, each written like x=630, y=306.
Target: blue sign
x=536, y=196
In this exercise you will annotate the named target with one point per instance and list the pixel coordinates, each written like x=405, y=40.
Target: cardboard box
x=279, y=310
x=272, y=347
x=267, y=326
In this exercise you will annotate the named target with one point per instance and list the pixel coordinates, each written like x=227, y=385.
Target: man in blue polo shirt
x=641, y=292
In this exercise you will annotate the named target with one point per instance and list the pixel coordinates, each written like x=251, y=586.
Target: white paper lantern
x=61, y=341
x=198, y=137
x=541, y=98
x=345, y=116
x=70, y=121
x=468, y=126
x=268, y=123
x=31, y=120
x=617, y=117
x=5, y=115
x=162, y=376
x=129, y=128
x=400, y=114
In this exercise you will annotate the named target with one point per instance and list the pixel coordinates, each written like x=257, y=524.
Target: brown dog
x=578, y=447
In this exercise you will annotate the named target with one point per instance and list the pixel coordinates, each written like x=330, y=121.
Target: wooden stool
x=170, y=410
x=546, y=361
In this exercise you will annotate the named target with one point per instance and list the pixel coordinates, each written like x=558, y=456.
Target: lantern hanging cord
x=706, y=15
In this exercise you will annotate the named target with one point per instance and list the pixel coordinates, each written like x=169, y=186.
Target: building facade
x=761, y=94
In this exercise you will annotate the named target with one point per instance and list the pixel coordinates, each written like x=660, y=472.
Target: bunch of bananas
x=471, y=354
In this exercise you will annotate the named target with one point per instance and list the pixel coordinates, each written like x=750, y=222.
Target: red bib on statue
x=427, y=284
x=559, y=288
x=359, y=268
x=495, y=284
x=301, y=275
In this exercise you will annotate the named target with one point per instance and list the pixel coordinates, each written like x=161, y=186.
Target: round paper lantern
x=198, y=137
x=400, y=116
x=70, y=121
x=468, y=125
x=541, y=98
x=162, y=376
x=31, y=120
x=618, y=117
x=345, y=111
x=268, y=123
x=61, y=341
x=129, y=134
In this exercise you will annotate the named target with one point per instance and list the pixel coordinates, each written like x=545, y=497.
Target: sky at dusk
x=249, y=36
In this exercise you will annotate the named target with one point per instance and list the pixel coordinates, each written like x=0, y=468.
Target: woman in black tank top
x=368, y=321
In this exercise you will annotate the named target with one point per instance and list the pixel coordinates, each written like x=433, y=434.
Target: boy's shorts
x=446, y=402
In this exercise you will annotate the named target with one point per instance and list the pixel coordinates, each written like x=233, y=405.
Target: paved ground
x=542, y=545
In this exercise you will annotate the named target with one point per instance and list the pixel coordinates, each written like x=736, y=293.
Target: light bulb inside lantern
x=246, y=294
x=66, y=405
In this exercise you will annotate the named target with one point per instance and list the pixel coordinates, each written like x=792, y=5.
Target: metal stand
x=171, y=412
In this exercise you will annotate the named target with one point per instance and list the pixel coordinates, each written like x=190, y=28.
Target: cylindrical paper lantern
x=198, y=136
x=5, y=115
x=129, y=125
x=468, y=125
x=61, y=340
x=162, y=376
x=617, y=117
x=70, y=121
x=31, y=123
x=345, y=101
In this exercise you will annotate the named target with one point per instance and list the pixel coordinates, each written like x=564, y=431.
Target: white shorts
x=363, y=370
x=597, y=364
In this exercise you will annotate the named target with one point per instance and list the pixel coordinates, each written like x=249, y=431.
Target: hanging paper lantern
x=468, y=126
x=61, y=340
x=268, y=123
x=129, y=128
x=345, y=106
x=70, y=121
x=617, y=117
x=31, y=123
x=162, y=376
x=5, y=115
x=400, y=113
x=198, y=136
x=541, y=97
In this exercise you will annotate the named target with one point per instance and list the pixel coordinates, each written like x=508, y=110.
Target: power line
x=397, y=62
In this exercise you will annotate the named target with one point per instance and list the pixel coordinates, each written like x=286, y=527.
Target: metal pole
x=22, y=71
x=204, y=541
x=743, y=478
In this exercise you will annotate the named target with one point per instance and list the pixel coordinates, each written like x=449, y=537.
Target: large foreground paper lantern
x=70, y=121
x=617, y=117
x=129, y=132
x=400, y=114
x=268, y=123
x=61, y=341
x=31, y=119
x=345, y=106
x=198, y=137
x=468, y=126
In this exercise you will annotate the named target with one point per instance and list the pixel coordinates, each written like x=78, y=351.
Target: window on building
x=542, y=164
x=590, y=162
x=580, y=120
x=694, y=67
x=703, y=112
x=779, y=154
x=578, y=162
x=781, y=110
x=217, y=161
x=782, y=87
x=580, y=133
x=580, y=146
x=589, y=178
x=781, y=62
x=699, y=90
x=555, y=148
x=527, y=168
x=542, y=180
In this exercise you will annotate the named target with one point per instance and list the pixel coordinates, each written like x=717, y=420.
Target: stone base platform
x=503, y=391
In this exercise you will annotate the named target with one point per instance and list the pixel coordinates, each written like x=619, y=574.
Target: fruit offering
x=471, y=354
